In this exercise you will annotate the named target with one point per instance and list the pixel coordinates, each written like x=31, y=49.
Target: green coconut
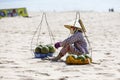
x=81, y=57
x=40, y=45
x=38, y=49
x=73, y=57
x=87, y=56
x=51, y=48
x=45, y=49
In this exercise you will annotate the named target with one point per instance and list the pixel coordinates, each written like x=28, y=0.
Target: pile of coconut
x=42, y=51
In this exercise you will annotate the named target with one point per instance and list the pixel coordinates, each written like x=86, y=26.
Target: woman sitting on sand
x=75, y=44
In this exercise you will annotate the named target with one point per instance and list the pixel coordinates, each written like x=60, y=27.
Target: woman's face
x=72, y=30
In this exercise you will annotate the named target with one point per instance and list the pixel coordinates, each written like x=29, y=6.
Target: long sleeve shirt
x=77, y=39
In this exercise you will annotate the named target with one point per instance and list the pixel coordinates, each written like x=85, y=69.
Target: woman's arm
x=71, y=39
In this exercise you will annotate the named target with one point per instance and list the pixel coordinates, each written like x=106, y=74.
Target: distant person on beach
x=111, y=10
x=75, y=44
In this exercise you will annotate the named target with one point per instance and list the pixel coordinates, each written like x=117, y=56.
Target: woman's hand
x=57, y=45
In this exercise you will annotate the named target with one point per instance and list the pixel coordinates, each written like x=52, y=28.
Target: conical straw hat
x=71, y=26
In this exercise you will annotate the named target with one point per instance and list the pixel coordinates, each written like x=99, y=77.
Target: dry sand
x=18, y=63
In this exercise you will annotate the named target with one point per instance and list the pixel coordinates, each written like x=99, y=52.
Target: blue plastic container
x=50, y=54
x=40, y=55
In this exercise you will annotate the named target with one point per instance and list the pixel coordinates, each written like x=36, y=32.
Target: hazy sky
x=62, y=5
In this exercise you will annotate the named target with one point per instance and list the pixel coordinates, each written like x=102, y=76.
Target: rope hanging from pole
x=38, y=30
x=50, y=32
x=83, y=30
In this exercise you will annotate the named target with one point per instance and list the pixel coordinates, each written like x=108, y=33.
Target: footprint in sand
x=107, y=53
x=25, y=77
x=7, y=62
x=64, y=78
x=118, y=63
x=106, y=74
x=36, y=72
x=28, y=77
x=98, y=68
x=118, y=70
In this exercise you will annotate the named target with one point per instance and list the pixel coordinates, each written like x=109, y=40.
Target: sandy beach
x=17, y=62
